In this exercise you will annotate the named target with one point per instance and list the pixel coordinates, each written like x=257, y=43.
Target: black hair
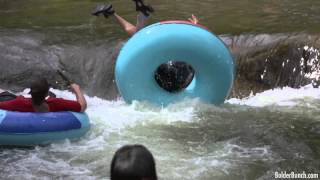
x=133, y=162
x=39, y=91
x=174, y=76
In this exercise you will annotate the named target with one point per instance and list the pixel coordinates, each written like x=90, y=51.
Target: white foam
x=281, y=96
x=116, y=115
x=111, y=118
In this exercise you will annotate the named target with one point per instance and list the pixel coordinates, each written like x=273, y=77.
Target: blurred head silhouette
x=133, y=162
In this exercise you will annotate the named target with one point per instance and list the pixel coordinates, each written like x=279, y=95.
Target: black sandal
x=145, y=9
x=105, y=9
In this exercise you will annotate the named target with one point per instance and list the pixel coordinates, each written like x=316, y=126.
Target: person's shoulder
x=54, y=99
x=60, y=104
x=20, y=100
x=58, y=100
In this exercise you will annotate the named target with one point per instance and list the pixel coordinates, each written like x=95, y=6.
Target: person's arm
x=79, y=95
x=193, y=19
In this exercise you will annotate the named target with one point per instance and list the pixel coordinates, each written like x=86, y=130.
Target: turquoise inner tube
x=29, y=128
x=174, y=41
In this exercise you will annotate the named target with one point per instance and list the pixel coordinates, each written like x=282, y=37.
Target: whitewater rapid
x=189, y=139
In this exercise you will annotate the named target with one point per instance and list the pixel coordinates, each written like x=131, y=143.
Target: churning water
x=243, y=139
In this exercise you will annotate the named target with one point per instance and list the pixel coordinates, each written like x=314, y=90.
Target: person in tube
x=40, y=100
x=172, y=76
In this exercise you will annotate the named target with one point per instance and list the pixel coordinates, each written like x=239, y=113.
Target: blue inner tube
x=29, y=128
x=174, y=41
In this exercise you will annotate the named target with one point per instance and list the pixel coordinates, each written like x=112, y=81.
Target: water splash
x=311, y=64
x=280, y=96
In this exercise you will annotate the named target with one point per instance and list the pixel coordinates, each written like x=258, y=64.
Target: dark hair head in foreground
x=133, y=162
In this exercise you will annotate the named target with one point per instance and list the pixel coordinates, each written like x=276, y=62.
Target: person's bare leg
x=107, y=10
x=127, y=26
x=142, y=17
x=144, y=12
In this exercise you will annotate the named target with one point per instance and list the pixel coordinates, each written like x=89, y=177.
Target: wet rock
x=271, y=61
x=24, y=56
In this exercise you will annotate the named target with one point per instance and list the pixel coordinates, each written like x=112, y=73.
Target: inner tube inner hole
x=174, y=76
